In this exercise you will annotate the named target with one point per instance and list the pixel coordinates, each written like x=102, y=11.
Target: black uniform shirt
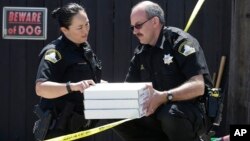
x=175, y=58
x=63, y=61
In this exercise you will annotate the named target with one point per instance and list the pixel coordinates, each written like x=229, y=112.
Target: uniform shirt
x=63, y=61
x=175, y=58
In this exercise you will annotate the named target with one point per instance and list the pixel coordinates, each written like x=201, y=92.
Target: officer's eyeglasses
x=139, y=26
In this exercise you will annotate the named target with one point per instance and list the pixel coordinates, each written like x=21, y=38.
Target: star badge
x=168, y=59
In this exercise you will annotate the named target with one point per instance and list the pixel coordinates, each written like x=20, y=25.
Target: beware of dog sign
x=24, y=23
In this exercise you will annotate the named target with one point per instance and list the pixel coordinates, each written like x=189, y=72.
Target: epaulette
x=181, y=41
x=178, y=35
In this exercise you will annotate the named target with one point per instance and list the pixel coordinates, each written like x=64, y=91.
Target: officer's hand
x=82, y=85
x=156, y=98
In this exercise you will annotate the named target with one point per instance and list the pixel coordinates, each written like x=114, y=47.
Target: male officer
x=175, y=64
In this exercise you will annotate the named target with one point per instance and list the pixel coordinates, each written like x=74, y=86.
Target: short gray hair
x=154, y=10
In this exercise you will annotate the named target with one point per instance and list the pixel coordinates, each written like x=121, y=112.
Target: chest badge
x=168, y=59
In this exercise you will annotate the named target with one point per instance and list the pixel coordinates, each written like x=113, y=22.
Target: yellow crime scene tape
x=89, y=132
x=194, y=13
x=93, y=131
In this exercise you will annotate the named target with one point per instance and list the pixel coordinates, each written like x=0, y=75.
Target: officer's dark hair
x=153, y=10
x=65, y=14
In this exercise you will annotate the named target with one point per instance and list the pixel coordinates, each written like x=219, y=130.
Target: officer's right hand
x=82, y=85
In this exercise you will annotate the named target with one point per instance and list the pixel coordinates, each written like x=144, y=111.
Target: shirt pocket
x=80, y=71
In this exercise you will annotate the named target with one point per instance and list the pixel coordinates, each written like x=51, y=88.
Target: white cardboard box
x=112, y=104
x=114, y=114
x=116, y=91
x=115, y=100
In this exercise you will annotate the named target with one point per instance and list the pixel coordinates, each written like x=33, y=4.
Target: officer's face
x=141, y=26
x=78, y=31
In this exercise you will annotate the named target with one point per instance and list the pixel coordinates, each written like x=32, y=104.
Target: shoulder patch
x=186, y=48
x=52, y=55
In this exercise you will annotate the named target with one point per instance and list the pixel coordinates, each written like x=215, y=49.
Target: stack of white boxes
x=115, y=100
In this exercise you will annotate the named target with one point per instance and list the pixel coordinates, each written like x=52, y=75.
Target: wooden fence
x=112, y=40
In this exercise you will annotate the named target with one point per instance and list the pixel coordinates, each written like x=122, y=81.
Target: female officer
x=67, y=67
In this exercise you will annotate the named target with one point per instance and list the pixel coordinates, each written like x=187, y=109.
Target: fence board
x=122, y=39
x=175, y=13
x=104, y=37
x=52, y=25
x=212, y=35
x=239, y=89
x=33, y=48
x=4, y=82
x=17, y=84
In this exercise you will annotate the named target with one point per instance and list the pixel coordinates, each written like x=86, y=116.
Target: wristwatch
x=68, y=87
x=169, y=97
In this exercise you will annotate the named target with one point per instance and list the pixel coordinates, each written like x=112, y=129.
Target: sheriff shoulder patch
x=52, y=55
x=186, y=49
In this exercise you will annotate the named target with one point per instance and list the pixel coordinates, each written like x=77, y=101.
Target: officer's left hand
x=156, y=98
